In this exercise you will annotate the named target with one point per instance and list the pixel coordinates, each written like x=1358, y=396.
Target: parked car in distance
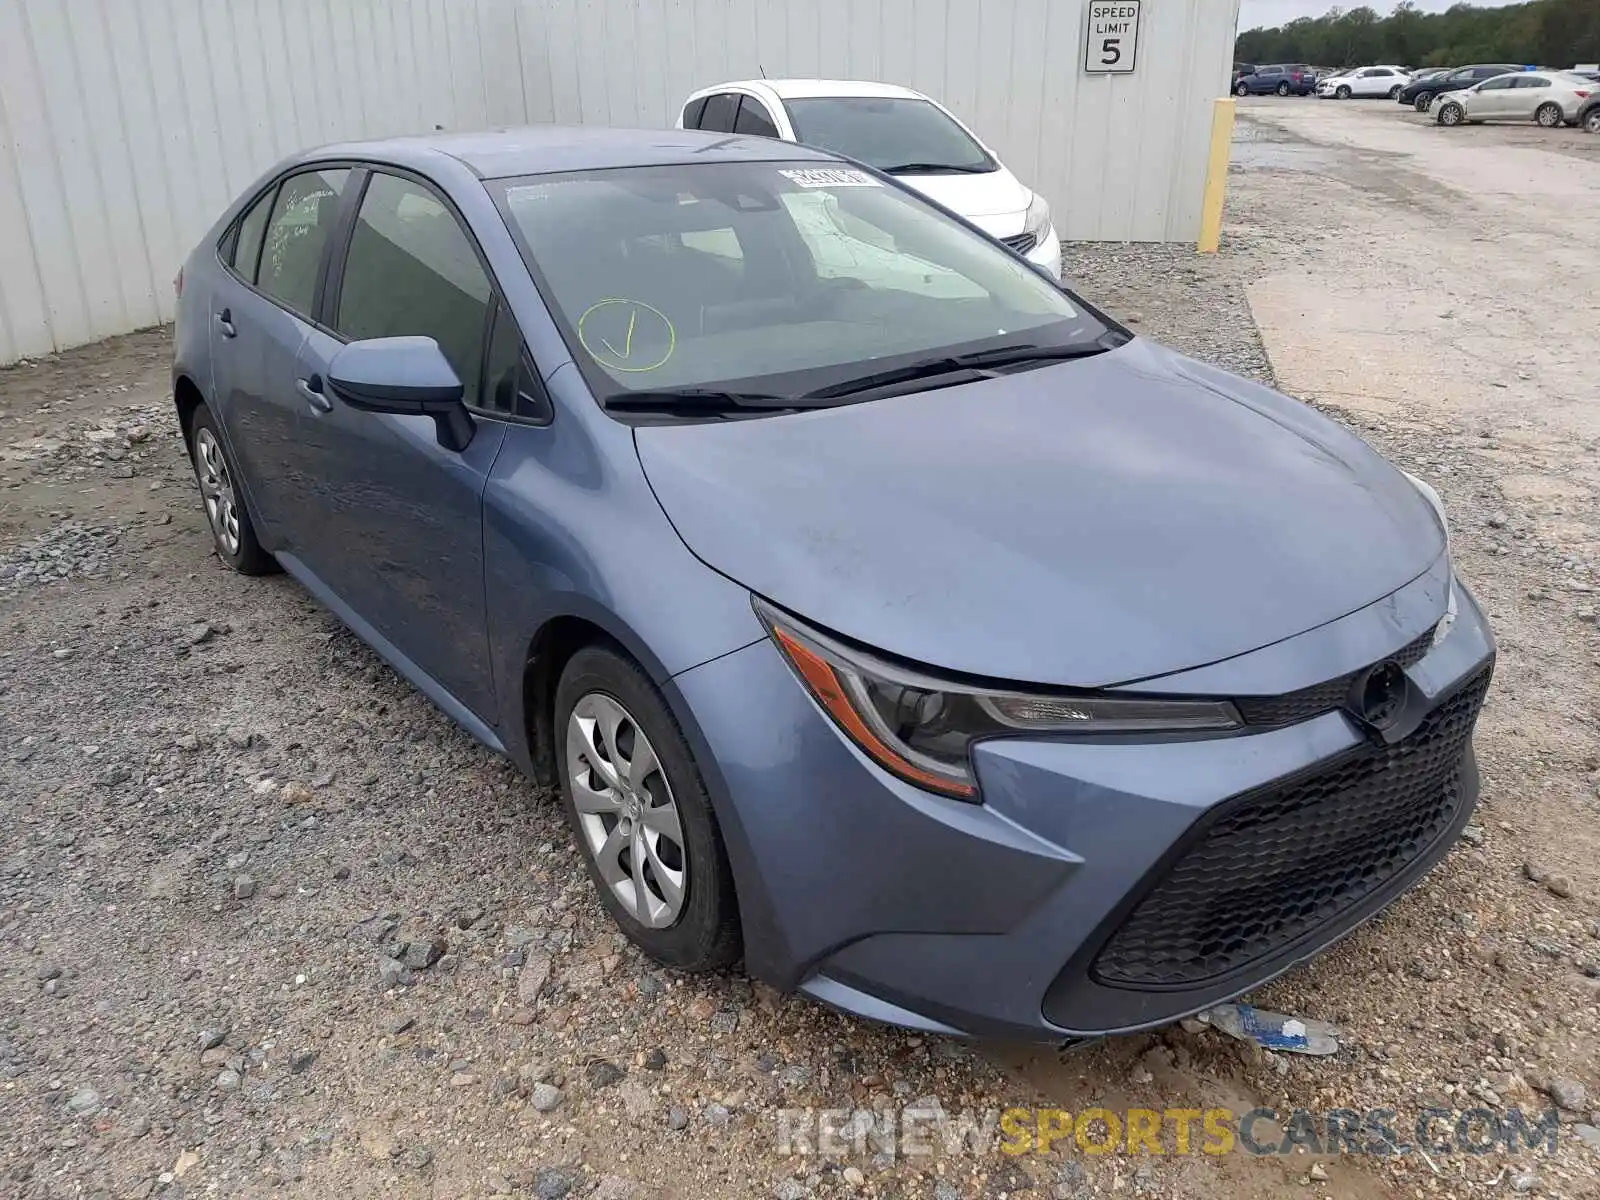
x=1548, y=98
x=1588, y=118
x=1363, y=82
x=1295, y=79
x=880, y=613
x=900, y=132
x=1422, y=90
x=1242, y=69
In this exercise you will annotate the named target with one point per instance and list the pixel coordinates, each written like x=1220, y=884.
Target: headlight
x=1037, y=220
x=1432, y=497
x=922, y=729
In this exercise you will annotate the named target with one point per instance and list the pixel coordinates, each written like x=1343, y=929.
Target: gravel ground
x=270, y=924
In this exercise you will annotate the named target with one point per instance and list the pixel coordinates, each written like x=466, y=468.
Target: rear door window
x=303, y=216
x=692, y=111
x=720, y=112
x=1529, y=81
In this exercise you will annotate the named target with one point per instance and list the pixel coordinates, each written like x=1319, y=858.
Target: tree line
x=1550, y=33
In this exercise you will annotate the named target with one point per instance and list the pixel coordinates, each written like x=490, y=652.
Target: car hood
x=993, y=201
x=1084, y=524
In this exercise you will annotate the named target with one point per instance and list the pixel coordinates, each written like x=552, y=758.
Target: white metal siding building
x=126, y=126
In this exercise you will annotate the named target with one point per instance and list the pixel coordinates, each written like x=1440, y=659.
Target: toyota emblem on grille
x=1380, y=694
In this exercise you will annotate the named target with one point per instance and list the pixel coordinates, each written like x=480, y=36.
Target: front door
x=1495, y=99
x=394, y=519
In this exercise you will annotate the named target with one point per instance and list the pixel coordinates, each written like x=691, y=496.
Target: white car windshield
x=899, y=135
x=776, y=277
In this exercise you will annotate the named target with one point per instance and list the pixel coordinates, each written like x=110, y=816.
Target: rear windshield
x=768, y=276
x=893, y=134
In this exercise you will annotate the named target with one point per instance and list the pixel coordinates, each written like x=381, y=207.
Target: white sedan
x=900, y=132
x=1549, y=98
x=1364, y=81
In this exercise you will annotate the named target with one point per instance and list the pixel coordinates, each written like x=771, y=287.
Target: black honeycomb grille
x=1319, y=698
x=1287, y=861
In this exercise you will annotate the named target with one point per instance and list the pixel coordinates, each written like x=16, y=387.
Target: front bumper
x=1059, y=907
x=1047, y=253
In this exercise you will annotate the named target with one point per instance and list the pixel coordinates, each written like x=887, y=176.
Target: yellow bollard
x=1216, y=176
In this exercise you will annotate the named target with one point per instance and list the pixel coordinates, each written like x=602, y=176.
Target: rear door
x=1527, y=93
x=398, y=517
x=261, y=315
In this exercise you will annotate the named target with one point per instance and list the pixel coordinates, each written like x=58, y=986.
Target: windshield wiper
x=702, y=402
x=933, y=168
x=967, y=368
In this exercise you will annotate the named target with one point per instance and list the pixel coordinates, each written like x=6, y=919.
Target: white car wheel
x=1549, y=115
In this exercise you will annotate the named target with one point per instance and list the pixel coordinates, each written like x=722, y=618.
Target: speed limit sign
x=1111, y=37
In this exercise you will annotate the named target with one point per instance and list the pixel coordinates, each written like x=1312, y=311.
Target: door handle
x=225, y=323
x=311, y=389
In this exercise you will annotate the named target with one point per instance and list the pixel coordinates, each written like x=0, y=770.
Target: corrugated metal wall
x=127, y=125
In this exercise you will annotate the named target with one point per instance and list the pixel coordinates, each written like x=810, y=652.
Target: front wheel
x=233, y=534
x=1341, y=92
x=1591, y=121
x=1548, y=116
x=1451, y=114
x=1422, y=102
x=641, y=817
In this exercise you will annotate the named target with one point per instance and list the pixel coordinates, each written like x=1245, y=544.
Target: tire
x=1342, y=92
x=604, y=705
x=1591, y=120
x=1549, y=116
x=1240, y=89
x=1394, y=92
x=1451, y=114
x=1283, y=89
x=233, y=533
x=1423, y=101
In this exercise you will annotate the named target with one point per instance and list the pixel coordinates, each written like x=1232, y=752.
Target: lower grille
x=1309, y=702
x=1021, y=242
x=1285, y=861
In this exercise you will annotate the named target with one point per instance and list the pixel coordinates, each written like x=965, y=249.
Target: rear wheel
x=1342, y=92
x=1548, y=116
x=1241, y=89
x=232, y=532
x=1394, y=92
x=1283, y=89
x=1423, y=101
x=1451, y=113
x=640, y=815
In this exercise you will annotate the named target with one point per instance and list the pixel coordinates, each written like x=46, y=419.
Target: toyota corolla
x=884, y=614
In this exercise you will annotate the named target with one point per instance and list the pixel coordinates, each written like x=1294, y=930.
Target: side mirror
x=407, y=376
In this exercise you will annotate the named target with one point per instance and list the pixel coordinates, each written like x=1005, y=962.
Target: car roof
x=800, y=89
x=548, y=149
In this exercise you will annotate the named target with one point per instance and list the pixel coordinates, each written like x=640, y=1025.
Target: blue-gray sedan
x=883, y=612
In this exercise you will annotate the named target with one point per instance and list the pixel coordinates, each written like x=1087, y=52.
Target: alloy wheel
x=1423, y=101
x=629, y=818
x=216, y=489
x=1591, y=123
x=1549, y=116
x=1450, y=114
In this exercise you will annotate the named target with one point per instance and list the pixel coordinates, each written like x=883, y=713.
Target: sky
x=1255, y=14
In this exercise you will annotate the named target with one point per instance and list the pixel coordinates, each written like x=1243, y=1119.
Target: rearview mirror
x=407, y=376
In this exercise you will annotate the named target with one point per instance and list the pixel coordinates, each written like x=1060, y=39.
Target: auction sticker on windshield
x=829, y=177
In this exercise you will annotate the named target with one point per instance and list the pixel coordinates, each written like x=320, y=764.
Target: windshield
x=892, y=134
x=773, y=277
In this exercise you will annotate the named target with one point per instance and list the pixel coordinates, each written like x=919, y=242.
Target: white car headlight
x=1432, y=497
x=1037, y=220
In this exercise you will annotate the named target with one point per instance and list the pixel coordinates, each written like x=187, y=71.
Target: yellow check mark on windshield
x=627, y=346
